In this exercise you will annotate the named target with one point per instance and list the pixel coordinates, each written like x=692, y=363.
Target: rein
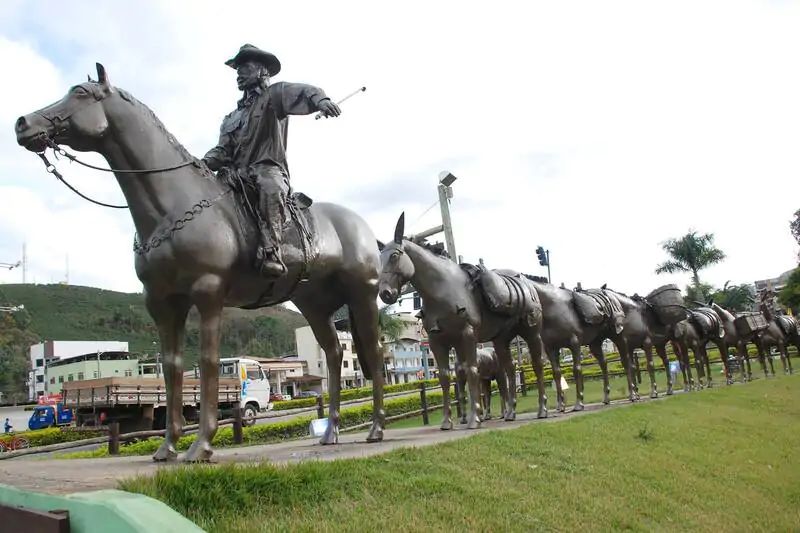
x=51, y=168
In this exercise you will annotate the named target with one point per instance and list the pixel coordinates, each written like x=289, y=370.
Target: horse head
x=397, y=269
x=77, y=120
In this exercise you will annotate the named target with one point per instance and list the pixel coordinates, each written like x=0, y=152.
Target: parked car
x=276, y=397
x=308, y=394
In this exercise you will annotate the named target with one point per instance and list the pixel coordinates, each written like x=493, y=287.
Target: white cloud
x=595, y=129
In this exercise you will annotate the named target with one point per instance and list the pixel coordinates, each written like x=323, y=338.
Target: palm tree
x=735, y=297
x=389, y=325
x=691, y=253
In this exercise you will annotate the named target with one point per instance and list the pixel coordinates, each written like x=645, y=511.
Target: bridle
x=59, y=151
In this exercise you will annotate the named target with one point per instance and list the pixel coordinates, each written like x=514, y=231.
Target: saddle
x=750, y=323
x=788, y=325
x=597, y=306
x=707, y=321
x=506, y=293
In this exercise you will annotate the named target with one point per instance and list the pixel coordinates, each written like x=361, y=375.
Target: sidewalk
x=60, y=476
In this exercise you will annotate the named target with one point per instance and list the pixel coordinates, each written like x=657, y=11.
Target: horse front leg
x=467, y=353
x=651, y=370
x=661, y=350
x=577, y=376
x=208, y=296
x=508, y=386
x=537, y=349
x=597, y=351
x=441, y=352
x=555, y=365
x=170, y=317
x=364, y=318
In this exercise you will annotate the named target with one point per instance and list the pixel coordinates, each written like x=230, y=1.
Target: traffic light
x=542, y=255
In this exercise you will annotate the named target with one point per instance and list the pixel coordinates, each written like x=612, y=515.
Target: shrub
x=43, y=437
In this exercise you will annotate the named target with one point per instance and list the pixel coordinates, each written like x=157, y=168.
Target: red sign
x=49, y=399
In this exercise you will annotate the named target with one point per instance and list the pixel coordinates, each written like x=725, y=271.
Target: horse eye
x=80, y=91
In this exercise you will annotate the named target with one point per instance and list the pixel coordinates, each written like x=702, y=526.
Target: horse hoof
x=331, y=436
x=654, y=395
x=447, y=425
x=542, y=413
x=165, y=452
x=199, y=452
x=375, y=434
x=510, y=417
x=606, y=401
x=487, y=416
x=578, y=407
x=475, y=423
x=670, y=392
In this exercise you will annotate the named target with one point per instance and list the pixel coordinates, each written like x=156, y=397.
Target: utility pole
x=24, y=263
x=446, y=179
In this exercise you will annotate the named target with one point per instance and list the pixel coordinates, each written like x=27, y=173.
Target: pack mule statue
x=206, y=260
x=456, y=315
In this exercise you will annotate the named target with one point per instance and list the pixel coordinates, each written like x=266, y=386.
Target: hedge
x=43, y=437
x=267, y=433
x=352, y=394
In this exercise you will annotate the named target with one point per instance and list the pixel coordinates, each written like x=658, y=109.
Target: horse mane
x=537, y=279
x=436, y=249
x=128, y=97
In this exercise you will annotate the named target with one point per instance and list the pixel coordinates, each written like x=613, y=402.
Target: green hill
x=67, y=312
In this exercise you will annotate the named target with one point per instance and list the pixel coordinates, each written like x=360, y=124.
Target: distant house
x=310, y=352
x=48, y=351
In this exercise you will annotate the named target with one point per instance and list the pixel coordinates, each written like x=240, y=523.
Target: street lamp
x=446, y=179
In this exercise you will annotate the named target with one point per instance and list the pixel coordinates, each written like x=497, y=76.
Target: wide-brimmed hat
x=248, y=52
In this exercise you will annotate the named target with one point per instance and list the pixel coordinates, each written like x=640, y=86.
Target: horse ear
x=400, y=228
x=102, y=77
x=381, y=246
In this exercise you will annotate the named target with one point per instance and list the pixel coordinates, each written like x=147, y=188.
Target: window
x=39, y=363
x=70, y=378
x=128, y=373
x=80, y=376
x=353, y=348
x=40, y=378
x=319, y=364
x=52, y=381
x=344, y=346
x=94, y=374
x=345, y=363
x=40, y=393
x=61, y=379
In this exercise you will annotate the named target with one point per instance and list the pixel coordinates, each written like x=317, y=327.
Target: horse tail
x=358, y=342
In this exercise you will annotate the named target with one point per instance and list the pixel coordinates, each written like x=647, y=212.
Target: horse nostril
x=386, y=295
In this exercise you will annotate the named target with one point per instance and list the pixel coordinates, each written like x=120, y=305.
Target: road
x=18, y=417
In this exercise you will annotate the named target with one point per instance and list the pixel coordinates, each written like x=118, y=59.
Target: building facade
x=90, y=366
x=42, y=353
x=309, y=351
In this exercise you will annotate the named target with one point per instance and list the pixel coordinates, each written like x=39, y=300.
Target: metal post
x=238, y=435
x=113, y=438
x=549, y=280
x=320, y=407
x=445, y=192
x=424, y=403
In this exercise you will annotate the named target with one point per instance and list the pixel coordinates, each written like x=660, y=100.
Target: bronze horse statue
x=489, y=370
x=455, y=315
x=644, y=330
x=781, y=331
x=198, y=249
x=703, y=327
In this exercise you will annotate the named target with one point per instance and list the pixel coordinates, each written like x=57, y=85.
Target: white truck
x=139, y=403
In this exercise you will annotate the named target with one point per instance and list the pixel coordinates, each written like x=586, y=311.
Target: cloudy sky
x=597, y=129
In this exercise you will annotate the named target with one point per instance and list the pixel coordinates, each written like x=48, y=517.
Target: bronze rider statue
x=252, y=142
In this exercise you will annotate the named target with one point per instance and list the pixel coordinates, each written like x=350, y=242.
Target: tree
x=735, y=297
x=698, y=294
x=794, y=226
x=790, y=294
x=691, y=253
x=390, y=326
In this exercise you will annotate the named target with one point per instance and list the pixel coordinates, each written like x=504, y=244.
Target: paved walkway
x=59, y=476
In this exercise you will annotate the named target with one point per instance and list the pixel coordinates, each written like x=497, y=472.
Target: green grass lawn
x=725, y=458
